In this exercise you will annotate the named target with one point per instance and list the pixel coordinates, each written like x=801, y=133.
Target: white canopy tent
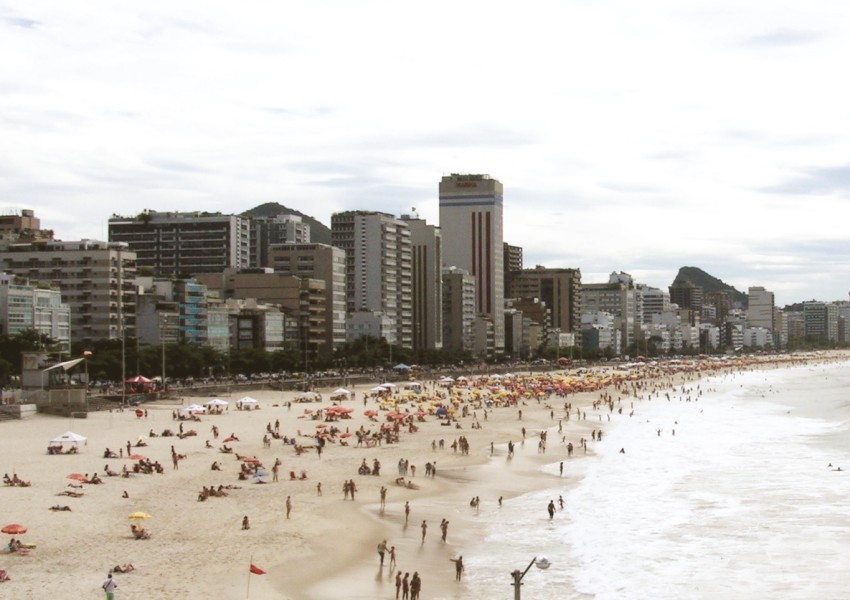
x=247, y=403
x=69, y=437
x=216, y=402
x=340, y=393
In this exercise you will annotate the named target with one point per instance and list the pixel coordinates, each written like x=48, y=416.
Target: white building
x=378, y=267
x=760, y=310
x=26, y=307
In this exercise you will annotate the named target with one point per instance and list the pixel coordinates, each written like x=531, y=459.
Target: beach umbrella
x=251, y=460
x=14, y=529
x=138, y=515
x=370, y=413
x=136, y=457
x=345, y=435
x=77, y=477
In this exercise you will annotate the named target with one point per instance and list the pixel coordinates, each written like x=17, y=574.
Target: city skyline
x=628, y=138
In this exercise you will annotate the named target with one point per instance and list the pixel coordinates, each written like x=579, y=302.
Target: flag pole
x=248, y=589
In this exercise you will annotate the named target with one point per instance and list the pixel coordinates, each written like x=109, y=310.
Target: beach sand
x=328, y=546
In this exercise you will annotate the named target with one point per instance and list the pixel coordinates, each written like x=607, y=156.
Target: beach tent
x=69, y=437
x=340, y=393
x=216, y=402
x=138, y=379
x=247, y=403
x=192, y=409
x=309, y=397
x=401, y=367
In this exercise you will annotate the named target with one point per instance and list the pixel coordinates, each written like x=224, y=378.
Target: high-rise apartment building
x=471, y=223
x=378, y=267
x=617, y=298
x=558, y=289
x=513, y=264
x=687, y=295
x=760, y=308
x=426, y=249
x=318, y=261
x=458, y=310
x=184, y=244
x=654, y=302
x=279, y=229
x=97, y=280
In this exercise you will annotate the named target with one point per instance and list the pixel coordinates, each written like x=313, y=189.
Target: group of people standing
x=409, y=587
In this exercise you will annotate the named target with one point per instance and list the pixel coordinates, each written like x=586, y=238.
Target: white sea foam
x=739, y=503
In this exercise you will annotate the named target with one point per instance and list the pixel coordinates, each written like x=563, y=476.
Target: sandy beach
x=327, y=548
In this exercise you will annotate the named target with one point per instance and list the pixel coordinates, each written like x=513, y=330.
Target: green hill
x=708, y=283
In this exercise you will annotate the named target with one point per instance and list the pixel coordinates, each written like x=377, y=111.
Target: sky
x=629, y=136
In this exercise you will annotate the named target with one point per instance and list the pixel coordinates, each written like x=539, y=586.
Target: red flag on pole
x=257, y=570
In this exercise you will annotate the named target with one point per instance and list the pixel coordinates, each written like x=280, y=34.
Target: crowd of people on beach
x=461, y=405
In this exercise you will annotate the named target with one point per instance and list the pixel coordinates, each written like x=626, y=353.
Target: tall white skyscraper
x=471, y=224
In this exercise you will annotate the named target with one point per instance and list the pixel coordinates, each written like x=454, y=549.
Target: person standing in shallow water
x=551, y=509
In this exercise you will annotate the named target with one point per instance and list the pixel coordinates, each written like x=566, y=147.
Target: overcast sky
x=629, y=136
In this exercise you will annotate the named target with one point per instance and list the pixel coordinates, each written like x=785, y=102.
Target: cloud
x=20, y=22
x=785, y=37
x=816, y=180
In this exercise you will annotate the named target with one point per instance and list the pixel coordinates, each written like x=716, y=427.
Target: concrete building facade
x=760, y=308
x=558, y=289
x=26, y=307
x=426, y=249
x=378, y=267
x=184, y=244
x=318, y=261
x=458, y=310
x=471, y=220
x=269, y=231
x=97, y=280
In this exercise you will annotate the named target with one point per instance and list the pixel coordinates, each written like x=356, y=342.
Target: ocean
x=728, y=495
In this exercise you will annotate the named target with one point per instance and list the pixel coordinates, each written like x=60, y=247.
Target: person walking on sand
x=406, y=512
x=382, y=548
x=109, y=587
x=397, y=585
x=444, y=528
x=245, y=523
x=458, y=567
x=392, y=558
x=424, y=527
x=288, y=506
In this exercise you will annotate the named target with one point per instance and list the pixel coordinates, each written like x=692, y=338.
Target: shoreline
x=328, y=544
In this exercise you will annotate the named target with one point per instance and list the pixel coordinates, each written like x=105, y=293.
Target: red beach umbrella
x=14, y=529
x=136, y=457
x=75, y=477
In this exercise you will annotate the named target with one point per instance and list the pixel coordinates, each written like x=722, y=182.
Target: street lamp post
x=541, y=563
x=86, y=355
